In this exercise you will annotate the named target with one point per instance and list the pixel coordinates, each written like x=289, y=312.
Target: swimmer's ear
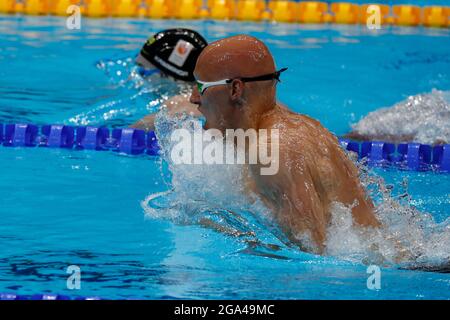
x=237, y=88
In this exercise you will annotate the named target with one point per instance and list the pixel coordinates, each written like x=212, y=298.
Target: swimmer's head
x=236, y=82
x=174, y=52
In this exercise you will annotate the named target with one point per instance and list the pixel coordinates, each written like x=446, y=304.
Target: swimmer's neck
x=270, y=113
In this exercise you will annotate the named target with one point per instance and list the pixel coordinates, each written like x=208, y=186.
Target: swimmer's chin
x=207, y=126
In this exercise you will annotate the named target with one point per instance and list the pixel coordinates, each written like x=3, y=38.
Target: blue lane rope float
x=127, y=140
x=407, y=156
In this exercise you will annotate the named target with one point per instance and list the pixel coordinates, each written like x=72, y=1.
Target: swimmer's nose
x=195, y=96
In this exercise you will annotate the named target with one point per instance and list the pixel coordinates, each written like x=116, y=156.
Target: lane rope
x=408, y=156
x=245, y=10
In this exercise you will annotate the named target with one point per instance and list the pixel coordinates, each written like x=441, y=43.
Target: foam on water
x=408, y=237
x=424, y=118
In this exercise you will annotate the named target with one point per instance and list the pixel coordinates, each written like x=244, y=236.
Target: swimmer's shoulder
x=294, y=137
x=282, y=117
x=313, y=127
x=300, y=133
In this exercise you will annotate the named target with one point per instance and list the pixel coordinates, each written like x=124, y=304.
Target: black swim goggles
x=203, y=85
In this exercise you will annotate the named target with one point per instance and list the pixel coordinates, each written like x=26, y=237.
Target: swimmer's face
x=226, y=104
x=214, y=103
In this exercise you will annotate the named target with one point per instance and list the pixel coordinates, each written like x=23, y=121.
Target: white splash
x=408, y=237
x=134, y=96
x=214, y=196
x=425, y=117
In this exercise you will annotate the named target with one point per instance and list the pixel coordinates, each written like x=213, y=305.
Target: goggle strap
x=265, y=77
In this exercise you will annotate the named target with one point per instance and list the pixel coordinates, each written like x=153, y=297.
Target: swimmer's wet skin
x=313, y=171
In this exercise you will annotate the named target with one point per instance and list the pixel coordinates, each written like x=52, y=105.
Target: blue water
x=61, y=208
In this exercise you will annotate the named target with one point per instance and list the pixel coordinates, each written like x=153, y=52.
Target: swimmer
x=171, y=53
x=313, y=170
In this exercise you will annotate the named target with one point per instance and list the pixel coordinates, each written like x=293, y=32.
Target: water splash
x=123, y=72
x=214, y=196
x=423, y=118
x=120, y=71
x=408, y=238
x=134, y=96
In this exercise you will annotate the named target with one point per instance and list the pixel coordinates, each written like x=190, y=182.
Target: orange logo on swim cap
x=182, y=49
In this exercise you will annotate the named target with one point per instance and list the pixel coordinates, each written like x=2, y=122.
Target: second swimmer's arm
x=176, y=105
x=147, y=123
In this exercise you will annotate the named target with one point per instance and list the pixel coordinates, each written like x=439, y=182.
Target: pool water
x=60, y=208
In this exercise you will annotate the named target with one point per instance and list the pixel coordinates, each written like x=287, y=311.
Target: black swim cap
x=175, y=52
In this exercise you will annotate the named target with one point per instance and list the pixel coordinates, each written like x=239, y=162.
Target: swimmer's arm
x=147, y=123
x=304, y=210
x=176, y=106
